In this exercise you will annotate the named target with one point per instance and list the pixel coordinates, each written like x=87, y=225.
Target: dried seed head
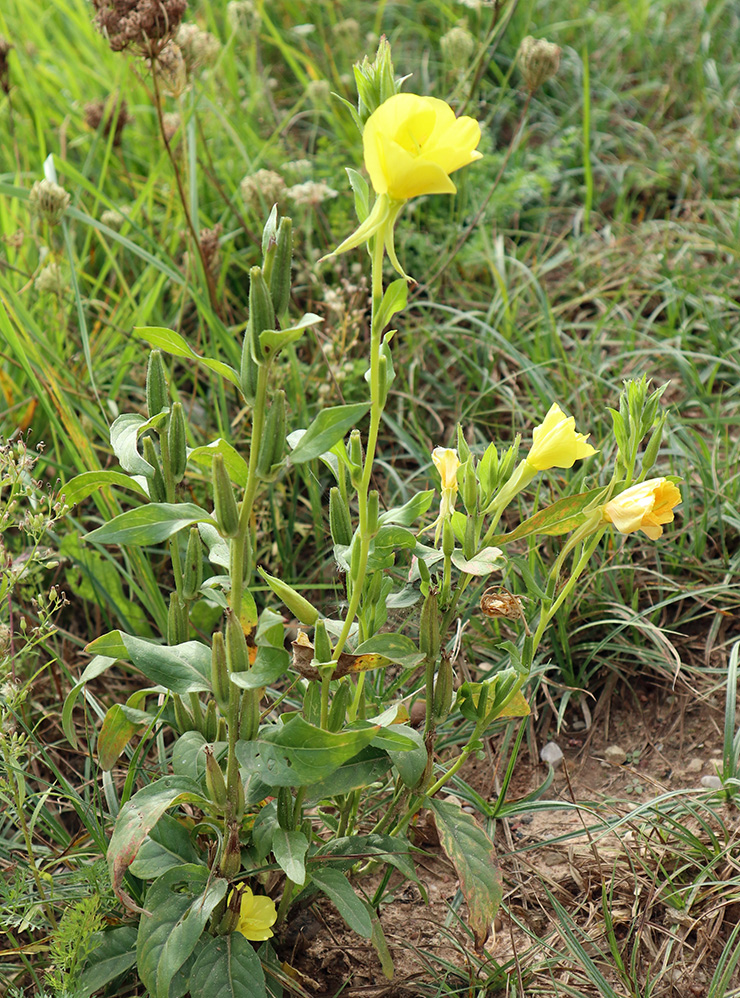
x=311, y=193
x=146, y=24
x=51, y=279
x=347, y=34
x=457, y=46
x=242, y=15
x=210, y=243
x=114, y=219
x=5, y=48
x=171, y=122
x=265, y=187
x=171, y=69
x=48, y=200
x=319, y=91
x=539, y=60
x=111, y=114
x=199, y=48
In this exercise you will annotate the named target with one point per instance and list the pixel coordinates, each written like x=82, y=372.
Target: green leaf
x=115, y=734
x=394, y=300
x=272, y=341
x=139, y=815
x=410, y=764
x=397, y=647
x=167, y=845
x=380, y=945
x=149, y=524
x=269, y=665
x=183, y=668
x=298, y=754
x=339, y=890
x=228, y=967
x=124, y=439
x=114, y=954
x=474, y=857
x=365, y=768
x=486, y=561
x=326, y=430
x=179, y=903
x=235, y=464
x=175, y=344
x=82, y=486
x=99, y=665
x=409, y=513
x=350, y=848
x=290, y=848
x=560, y=518
x=359, y=186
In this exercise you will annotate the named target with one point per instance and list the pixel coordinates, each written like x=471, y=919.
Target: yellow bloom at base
x=556, y=444
x=645, y=506
x=412, y=144
x=256, y=915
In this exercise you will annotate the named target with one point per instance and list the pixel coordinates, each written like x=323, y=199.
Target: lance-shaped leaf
x=339, y=890
x=82, y=486
x=235, y=464
x=273, y=341
x=149, y=524
x=289, y=849
x=298, y=754
x=228, y=967
x=175, y=344
x=113, y=955
x=303, y=657
x=560, y=518
x=137, y=817
x=474, y=857
x=183, y=668
x=410, y=512
x=326, y=430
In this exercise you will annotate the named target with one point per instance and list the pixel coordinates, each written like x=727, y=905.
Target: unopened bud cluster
x=48, y=201
x=539, y=61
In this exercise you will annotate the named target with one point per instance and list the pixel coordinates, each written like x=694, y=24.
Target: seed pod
x=285, y=808
x=340, y=522
x=249, y=715
x=373, y=509
x=312, y=703
x=177, y=621
x=321, y=643
x=215, y=782
x=210, y=722
x=469, y=539
x=230, y=863
x=469, y=487
x=193, y=572
x=157, y=488
x=157, y=393
x=448, y=539
x=223, y=732
x=429, y=627
x=442, y=691
x=237, y=653
x=235, y=792
x=375, y=588
x=280, y=274
x=307, y=829
x=272, y=444
x=261, y=310
x=183, y=717
x=227, y=513
x=249, y=369
x=339, y=705
x=220, y=672
x=355, y=452
x=176, y=438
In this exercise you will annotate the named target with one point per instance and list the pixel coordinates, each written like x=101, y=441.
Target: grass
x=608, y=248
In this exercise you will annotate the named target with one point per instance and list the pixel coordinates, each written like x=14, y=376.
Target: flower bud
x=297, y=604
x=651, y=451
x=157, y=394
x=48, y=201
x=237, y=653
x=215, y=782
x=177, y=621
x=469, y=487
x=375, y=81
x=220, y=672
x=280, y=273
x=340, y=523
x=177, y=444
x=321, y=643
x=356, y=457
x=539, y=60
x=429, y=627
x=183, y=717
x=157, y=488
x=261, y=310
x=227, y=513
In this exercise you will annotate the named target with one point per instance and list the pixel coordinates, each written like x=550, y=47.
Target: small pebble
x=711, y=782
x=615, y=755
x=694, y=766
x=552, y=754
x=578, y=726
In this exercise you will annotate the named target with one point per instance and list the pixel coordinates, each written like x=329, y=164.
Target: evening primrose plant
x=258, y=799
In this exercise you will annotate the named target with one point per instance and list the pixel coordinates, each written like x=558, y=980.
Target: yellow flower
x=256, y=915
x=556, y=444
x=446, y=462
x=645, y=506
x=412, y=144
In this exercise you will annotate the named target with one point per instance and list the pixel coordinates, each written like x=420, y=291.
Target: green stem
x=169, y=488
